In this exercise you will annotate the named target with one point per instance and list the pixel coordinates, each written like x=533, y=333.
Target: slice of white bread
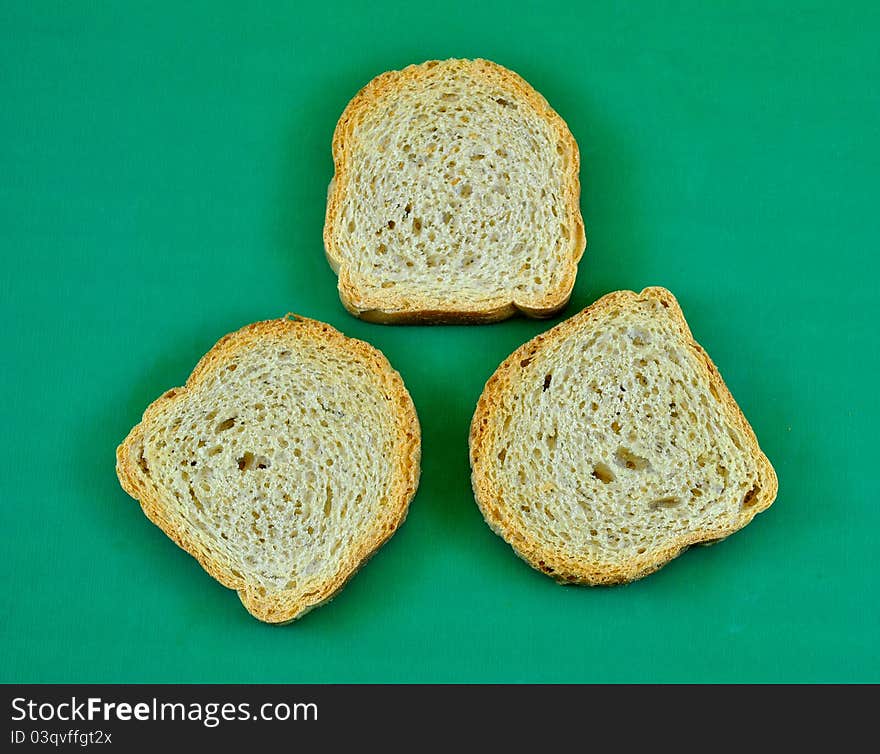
x=456, y=198
x=608, y=445
x=287, y=459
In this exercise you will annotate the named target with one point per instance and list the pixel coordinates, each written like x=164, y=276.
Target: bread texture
x=455, y=198
x=288, y=458
x=605, y=447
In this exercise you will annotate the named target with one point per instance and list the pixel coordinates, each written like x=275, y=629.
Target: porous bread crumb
x=604, y=447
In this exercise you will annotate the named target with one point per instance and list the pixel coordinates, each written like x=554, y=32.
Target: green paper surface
x=163, y=175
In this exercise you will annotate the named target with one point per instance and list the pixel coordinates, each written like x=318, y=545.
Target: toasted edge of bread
x=572, y=571
x=281, y=607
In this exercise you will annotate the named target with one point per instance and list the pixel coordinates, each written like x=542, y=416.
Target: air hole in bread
x=734, y=436
x=196, y=502
x=225, y=424
x=750, y=497
x=627, y=459
x=665, y=502
x=602, y=473
x=547, y=379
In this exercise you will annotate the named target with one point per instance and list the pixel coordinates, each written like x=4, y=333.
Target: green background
x=162, y=182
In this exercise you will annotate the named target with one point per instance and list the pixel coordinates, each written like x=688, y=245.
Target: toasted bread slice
x=455, y=198
x=603, y=448
x=287, y=459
